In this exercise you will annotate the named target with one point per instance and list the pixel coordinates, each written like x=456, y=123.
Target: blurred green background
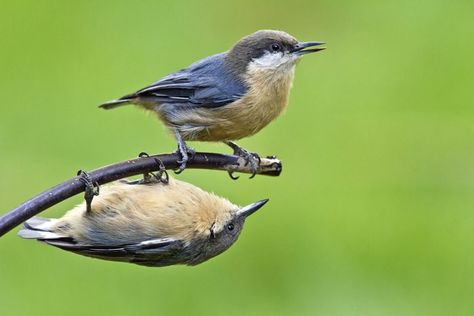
x=373, y=214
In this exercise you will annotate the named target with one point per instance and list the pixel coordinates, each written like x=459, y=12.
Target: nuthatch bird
x=148, y=223
x=227, y=96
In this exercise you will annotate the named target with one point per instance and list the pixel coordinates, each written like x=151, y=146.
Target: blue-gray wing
x=206, y=83
x=154, y=252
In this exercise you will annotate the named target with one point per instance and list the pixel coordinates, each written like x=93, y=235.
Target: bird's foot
x=184, y=151
x=186, y=154
x=91, y=188
x=251, y=159
x=150, y=177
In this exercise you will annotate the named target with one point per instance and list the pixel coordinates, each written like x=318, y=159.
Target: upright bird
x=152, y=224
x=227, y=96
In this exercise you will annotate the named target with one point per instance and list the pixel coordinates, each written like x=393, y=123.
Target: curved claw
x=158, y=176
x=161, y=175
x=182, y=162
x=182, y=166
x=231, y=175
x=186, y=155
x=166, y=179
x=254, y=166
x=254, y=161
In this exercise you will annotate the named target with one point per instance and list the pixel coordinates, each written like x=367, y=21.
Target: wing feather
x=206, y=83
x=152, y=252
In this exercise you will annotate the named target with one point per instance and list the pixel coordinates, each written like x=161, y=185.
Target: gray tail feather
x=114, y=104
x=34, y=222
x=36, y=228
x=126, y=99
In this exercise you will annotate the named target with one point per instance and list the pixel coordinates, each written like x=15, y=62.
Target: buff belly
x=265, y=100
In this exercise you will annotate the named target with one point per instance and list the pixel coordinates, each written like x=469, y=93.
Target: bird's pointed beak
x=301, y=48
x=252, y=208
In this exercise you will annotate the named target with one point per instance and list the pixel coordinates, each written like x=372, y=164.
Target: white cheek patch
x=274, y=60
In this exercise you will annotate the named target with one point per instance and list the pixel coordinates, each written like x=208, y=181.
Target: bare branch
x=268, y=166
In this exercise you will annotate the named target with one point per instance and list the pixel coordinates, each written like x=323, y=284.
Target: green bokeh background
x=373, y=214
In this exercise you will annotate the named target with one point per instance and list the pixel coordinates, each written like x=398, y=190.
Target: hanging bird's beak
x=300, y=48
x=252, y=208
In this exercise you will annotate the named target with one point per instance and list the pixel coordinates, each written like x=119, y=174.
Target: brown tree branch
x=268, y=166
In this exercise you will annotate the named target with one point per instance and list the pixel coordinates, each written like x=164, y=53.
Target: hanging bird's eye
x=275, y=47
x=230, y=227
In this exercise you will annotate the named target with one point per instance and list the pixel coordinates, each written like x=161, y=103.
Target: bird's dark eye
x=230, y=227
x=275, y=47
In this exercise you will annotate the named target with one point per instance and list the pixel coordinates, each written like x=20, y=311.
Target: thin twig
x=268, y=166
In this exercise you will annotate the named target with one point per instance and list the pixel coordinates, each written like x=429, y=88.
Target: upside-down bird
x=148, y=223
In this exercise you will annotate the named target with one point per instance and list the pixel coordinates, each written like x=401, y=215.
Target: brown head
x=267, y=48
